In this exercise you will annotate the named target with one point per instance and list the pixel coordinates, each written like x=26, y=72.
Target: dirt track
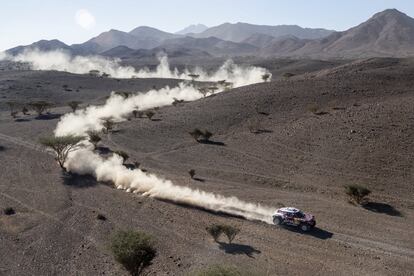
x=363, y=134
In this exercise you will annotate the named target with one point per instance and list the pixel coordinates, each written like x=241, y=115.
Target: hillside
x=316, y=132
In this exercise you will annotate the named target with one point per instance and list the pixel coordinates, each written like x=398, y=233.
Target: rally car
x=294, y=217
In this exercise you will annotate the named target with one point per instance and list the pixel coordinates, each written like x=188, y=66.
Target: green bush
x=357, y=193
x=134, y=250
x=196, y=134
x=9, y=211
x=230, y=231
x=216, y=230
x=191, y=173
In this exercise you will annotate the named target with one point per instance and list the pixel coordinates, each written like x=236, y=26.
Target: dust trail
x=118, y=108
x=62, y=61
x=85, y=161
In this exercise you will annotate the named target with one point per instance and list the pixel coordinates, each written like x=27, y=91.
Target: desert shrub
x=265, y=77
x=194, y=76
x=196, y=134
x=254, y=125
x=215, y=230
x=123, y=94
x=101, y=217
x=230, y=231
x=314, y=108
x=62, y=146
x=108, y=125
x=25, y=111
x=123, y=154
x=219, y=270
x=191, y=173
x=203, y=91
x=213, y=89
x=177, y=102
x=150, y=114
x=207, y=135
x=9, y=211
x=357, y=193
x=74, y=105
x=134, y=250
x=40, y=107
x=94, y=73
x=14, y=108
x=94, y=138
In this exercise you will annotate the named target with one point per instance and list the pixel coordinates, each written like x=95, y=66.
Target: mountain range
x=387, y=33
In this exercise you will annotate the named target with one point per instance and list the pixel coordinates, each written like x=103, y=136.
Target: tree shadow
x=238, y=249
x=2, y=148
x=382, y=208
x=315, y=232
x=199, y=179
x=103, y=150
x=260, y=131
x=77, y=180
x=48, y=117
x=156, y=120
x=320, y=113
x=20, y=120
x=209, y=142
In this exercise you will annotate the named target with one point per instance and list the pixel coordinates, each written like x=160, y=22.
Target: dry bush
x=74, y=105
x=134, y=250
x=357, y=193
x=191, y=173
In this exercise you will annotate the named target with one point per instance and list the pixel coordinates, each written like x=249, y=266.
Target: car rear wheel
x=304, y=227
x=277, y=220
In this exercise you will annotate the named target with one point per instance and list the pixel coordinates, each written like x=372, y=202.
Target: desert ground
x=331, y=124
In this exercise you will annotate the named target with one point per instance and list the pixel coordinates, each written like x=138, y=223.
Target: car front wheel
x=277, y=220
x=304, y=227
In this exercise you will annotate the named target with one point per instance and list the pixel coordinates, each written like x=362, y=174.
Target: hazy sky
x=75, y=21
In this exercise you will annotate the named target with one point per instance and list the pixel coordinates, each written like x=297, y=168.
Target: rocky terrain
x=329, y=124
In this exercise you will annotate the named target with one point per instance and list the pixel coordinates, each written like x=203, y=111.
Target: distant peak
x=389, y=12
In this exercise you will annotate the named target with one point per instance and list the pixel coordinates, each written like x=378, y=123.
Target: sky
x=25, y=21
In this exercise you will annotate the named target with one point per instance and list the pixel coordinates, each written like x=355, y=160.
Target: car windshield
x=299, y=214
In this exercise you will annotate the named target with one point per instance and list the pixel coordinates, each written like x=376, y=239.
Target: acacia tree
x=213, y=89
x=196, y=134
x=108, y=125
x=62, y=146
x=150, y=114
x=265, y=77
x=14, y=108
x=94, y=138
x=203, y=91
x=74, y=105
x=40, y=106
x=194, y=76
